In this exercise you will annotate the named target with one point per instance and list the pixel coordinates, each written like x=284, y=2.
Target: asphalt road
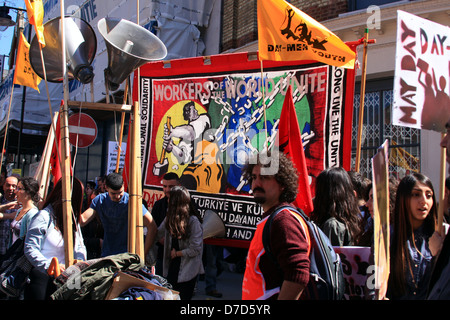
x=229, y=283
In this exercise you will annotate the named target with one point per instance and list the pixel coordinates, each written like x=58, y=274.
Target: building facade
x=410, y=149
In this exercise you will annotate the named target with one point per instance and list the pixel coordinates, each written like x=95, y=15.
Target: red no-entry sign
x=82, y=130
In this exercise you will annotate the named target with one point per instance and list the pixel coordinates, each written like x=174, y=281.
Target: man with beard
x=9, y=195
x=274, y=183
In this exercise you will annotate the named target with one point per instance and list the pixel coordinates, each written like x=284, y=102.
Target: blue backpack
x=326, y=277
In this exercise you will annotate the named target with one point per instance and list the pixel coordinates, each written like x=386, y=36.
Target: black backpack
x=326, y=277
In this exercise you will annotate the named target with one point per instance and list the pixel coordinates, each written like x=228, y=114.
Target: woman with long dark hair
x=183, y=243
x=27, y=195
x=45, y=239
x=414, y=241
x=336, y=209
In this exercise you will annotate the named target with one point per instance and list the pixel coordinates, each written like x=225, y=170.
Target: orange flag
x=290, y=143
x=285, y=33
x=24, y=74
x=35, y=12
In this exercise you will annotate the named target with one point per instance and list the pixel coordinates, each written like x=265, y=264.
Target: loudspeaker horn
x=129, y=46
x=213, y=225
x=81, y=46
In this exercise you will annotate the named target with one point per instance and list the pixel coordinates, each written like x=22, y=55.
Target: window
x=404, y=142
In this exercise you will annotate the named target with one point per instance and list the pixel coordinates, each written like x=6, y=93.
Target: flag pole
x=122, y=123
x=7, y=124
x=66, y=181
x=361, y=101
x=441, y=191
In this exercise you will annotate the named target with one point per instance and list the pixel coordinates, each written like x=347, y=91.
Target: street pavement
x=229, y=283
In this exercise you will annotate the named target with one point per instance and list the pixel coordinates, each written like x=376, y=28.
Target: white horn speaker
x=81, y=46
x=129, y=46
x=213, y=225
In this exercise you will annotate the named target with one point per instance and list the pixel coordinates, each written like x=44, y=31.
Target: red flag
x=55, y=159
x=290, y=143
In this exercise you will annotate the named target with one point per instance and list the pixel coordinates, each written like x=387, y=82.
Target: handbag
x=14, y=270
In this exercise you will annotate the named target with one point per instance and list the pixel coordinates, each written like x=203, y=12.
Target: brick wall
x=239, y=24
x=321, y=10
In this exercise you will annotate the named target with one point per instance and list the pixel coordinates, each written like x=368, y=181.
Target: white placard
x=422, y=68
x=112, y=155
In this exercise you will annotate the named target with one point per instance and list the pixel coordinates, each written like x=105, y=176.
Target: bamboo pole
x=441, y=207
x=66, y=185
x=137, y=176
x=361, y=103
x=132, y=186
x=135, y=219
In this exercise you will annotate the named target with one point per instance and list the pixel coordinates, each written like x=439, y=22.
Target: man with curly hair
x=274, y=183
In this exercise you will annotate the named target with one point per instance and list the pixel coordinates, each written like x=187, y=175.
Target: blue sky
x=6, y=36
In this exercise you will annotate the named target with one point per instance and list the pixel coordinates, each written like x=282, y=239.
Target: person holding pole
x=9, y=196
x=112, y=208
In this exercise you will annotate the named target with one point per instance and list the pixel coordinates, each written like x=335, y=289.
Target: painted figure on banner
x=196, y=149
x=436, y=103
x=207, y=144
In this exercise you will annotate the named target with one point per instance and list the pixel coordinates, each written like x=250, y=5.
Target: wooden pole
x=99, y=106
x=134, y=209
x=65, y=146
x=137, y=176
x=122, y=123
x=135, y=220
x=441, y=190
x=361, y=103
x=43, y=173
x=132, y=194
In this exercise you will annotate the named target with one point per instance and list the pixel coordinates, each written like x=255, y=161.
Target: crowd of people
x=343, y=209
x=100, y=229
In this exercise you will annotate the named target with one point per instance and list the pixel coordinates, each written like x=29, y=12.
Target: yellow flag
x=24, y=74
x=285, y=33
x=35, y=12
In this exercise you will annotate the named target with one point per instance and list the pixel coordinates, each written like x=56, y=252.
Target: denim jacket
x=35, y=238
x=418, y=272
